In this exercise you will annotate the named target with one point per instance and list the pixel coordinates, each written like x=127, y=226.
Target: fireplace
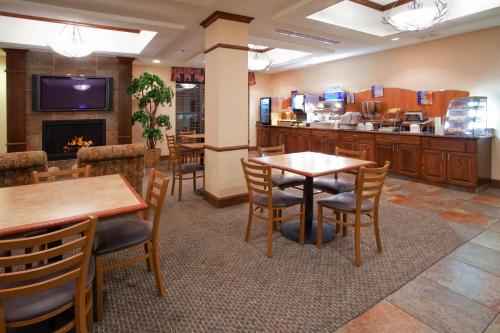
x=61, y=139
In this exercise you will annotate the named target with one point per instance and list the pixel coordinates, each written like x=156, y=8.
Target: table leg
x=291, y=230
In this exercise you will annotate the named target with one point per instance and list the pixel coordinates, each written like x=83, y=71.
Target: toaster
x=416, y=116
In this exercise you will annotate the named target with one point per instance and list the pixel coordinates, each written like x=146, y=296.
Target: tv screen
x=65, y=93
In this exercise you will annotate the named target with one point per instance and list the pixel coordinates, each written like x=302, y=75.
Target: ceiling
x=179, y=39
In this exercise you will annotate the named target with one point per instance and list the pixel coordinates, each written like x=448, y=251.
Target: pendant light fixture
x=417, y=17
x=258, y=61
x=70, y=43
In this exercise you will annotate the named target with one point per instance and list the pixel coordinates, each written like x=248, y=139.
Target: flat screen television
x=67, y=93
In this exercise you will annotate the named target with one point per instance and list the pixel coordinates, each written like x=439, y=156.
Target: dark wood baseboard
x=495, y=183
x=251, y=148
x=226, y=201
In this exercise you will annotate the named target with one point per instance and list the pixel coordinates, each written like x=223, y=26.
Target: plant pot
x=152, y=157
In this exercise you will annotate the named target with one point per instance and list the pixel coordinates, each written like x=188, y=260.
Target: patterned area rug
x=216, y=282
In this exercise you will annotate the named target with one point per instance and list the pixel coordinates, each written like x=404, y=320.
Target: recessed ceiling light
x=156, y=61
x=395, y=38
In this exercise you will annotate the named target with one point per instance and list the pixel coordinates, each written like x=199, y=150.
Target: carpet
x=216, y=282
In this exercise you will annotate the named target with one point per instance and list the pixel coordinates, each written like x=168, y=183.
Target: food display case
x=466, y=116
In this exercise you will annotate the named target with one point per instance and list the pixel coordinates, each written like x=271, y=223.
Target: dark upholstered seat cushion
x=280, y=199
x=332, y=185
x=35, y=305
x=346, y=202
x=117, y=234
x=287, y=180
x=191, y=167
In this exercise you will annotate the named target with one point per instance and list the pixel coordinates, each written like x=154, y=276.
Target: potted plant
x=151, y=92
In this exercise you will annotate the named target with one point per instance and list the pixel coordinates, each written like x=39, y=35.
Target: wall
x=262, y=88
x=3, y=106
x=165, y=73
x=468, y=62
x=54, y=64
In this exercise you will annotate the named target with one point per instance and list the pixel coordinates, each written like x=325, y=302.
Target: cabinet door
x=369, y=147
x=385, y=152
x=276, y=138
x=262, y=137
x=462, y=169
x=434, y=165
x=408, y=160
x=293, y=143
x=329, y=145
x=348, y=144
x=317, y=143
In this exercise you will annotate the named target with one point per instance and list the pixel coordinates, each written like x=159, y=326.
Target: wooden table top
x=312, y=164
x=193, y=136
x=193, y=146
x=37, y=206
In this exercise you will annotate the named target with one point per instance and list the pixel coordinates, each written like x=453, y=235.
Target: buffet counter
x=457, y=160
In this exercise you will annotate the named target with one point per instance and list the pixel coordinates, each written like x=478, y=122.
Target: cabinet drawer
x=444, y=144
x=409, y=140
x=356, y=135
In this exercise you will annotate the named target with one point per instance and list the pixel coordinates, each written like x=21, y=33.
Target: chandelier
x=417, y=17
x=258, y=61
x=69, y=43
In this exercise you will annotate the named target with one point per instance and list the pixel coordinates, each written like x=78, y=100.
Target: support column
x=16, y=64
x=124, y=100
x=226, y=107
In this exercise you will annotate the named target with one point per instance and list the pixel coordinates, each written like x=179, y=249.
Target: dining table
x=194, y=136
x=310, y=165
x=51, y=205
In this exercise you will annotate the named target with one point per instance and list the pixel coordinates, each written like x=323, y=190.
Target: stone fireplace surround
x=24, y=126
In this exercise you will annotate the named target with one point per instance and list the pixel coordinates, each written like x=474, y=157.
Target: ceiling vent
x=306, y=36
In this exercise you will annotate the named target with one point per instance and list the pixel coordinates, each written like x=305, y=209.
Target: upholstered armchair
x=16, y=168
x=107, y=160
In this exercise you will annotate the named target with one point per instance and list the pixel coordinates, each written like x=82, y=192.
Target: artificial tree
x=151, y=92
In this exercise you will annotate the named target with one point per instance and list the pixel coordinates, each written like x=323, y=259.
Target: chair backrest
x=54, y=175
x=127, y=160
x=29, y=276
x=187, y=140
x=358, y=154
x=270, y=151
x=258, y=178
x=155, y=198
x=369, y=183
x=16, y=168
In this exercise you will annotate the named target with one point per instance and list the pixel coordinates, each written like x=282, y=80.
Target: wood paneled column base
x=226, y=201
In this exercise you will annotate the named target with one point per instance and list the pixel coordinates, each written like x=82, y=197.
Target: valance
x=197, y=75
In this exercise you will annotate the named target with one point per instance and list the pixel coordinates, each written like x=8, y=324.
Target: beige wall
x=165, y=73
x=3, y=106
x=468, y=62
x=262, y=88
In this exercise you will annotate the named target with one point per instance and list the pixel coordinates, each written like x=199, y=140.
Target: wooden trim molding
x=16, y=62
x=231, y=148
x=495, y=183
x=226, y=201
x=379, y=7
x=226, y=16
x=81, y=24
x=227, y=46
x=124, y=100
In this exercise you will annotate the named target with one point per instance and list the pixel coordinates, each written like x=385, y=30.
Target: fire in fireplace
x=61, y=139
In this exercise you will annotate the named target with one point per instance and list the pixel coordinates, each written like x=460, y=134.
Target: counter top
x=382, y=133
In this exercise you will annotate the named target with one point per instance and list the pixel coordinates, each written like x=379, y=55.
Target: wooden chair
x=284, y=179
x=48, y=288
x=53, y=175
x=188, y=156
x=186, y=140
x=262, y=196
x=126, y=232
x=364, y=201
x=335, y=185
x=181, y=171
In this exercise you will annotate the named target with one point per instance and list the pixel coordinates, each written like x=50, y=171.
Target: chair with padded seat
x=364, y=201
x=283, y=179
x=262, y=196
x=335, y=185
x=46, y=283
x=130, y=231
x=184, y=171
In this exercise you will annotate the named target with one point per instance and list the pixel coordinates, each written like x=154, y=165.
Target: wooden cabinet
x=408, y=160
x=367, y=146
x=262, y=136
x=385, y=152
x=276, y=138
x=297, y=141
x=434, y=165
x=461, y=169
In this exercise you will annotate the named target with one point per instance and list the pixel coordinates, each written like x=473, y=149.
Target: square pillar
x=226, y=107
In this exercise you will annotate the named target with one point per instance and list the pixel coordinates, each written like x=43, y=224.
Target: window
x=190, y=107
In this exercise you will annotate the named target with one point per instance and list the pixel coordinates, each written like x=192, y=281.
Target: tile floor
x=460, y=293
